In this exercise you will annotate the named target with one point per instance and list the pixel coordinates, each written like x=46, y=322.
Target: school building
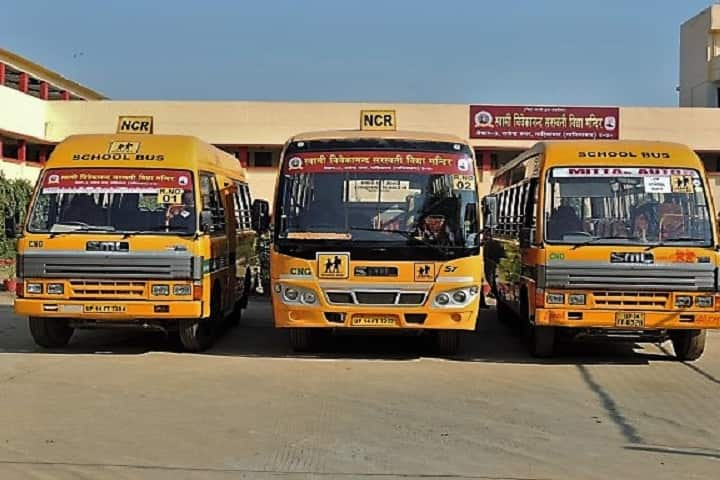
x=39, y=108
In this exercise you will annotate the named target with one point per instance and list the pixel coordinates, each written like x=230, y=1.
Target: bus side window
x=211, y=201
x=243, y=214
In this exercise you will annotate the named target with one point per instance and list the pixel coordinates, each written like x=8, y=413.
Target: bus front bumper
x=108, y=310
x=627, y=320
x=377, y=318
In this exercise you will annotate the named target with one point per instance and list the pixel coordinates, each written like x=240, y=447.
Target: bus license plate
x=630, y=319
x=373, y=321
x=104, y=308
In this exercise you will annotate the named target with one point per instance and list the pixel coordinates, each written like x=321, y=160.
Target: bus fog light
x=277, y=288
x=683, y=301
x=460, y=296
x=704, y=301
x=474, y=290
x=56, y=289
x=182, y=290
x=291, y=294
x=309, y=297
x=34, y=288
x=555, y=298
x=442, y=299
x=576, y=299
x=160, y=290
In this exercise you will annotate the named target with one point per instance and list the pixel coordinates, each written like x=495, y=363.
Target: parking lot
x=121, y=405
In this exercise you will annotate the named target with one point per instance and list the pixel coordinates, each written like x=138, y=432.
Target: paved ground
x=119, y=405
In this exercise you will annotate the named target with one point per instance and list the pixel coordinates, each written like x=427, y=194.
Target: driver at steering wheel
x=563, y=221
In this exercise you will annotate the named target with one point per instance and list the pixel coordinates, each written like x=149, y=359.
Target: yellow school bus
x=376, y=231
x=136, y=231
x=611, y=238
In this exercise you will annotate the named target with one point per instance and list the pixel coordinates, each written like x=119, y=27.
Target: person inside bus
x=84, y=209
x=641, y=227
x=182, y=216
x=563, y=221
x=670, y=213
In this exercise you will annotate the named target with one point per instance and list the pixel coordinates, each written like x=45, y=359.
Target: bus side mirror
x=489, y=210
x=260, y=216
x=527, y=236
x=206, y=221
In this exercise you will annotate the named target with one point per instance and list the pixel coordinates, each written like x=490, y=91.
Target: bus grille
x=610, y=299
x=384, y=297
x=595, y=275
x=84, y=289
x=111, y=265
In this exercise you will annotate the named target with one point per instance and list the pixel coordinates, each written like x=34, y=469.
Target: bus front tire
x=448, y=342
x=198, y=334
x=301, y=339
x=50, y=332
x=688, y=344
x=542, y=341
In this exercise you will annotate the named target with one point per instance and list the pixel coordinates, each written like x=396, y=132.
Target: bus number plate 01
x=373, y=321
x=630, y=319
x=104, y=308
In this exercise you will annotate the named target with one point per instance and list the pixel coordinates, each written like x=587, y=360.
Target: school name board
x=505, y=122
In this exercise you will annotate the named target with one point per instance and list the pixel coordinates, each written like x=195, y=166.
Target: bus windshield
x=380, y=196
x=114, y=200
x=620, y=205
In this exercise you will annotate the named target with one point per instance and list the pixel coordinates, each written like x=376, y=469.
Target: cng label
x=135, y=124
x=378, y=120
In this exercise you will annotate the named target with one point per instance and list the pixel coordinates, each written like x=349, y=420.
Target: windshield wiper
x=82, y=227
x=444, y=249
x=596, y=239
x=676, y=239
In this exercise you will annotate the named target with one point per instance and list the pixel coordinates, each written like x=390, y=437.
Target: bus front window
x=626, y=206
x=114, y=200
x=433, y=206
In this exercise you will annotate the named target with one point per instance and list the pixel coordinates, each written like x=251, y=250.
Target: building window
x=10, y=148
x=262, y=159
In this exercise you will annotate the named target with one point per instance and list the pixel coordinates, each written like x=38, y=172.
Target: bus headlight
x=160, y=290
x=459, y=297
x=704, y=301
x=442, y=299
x=182, y=290
x=55, y=289
x=576, y=299
x=291, y=294
x=34, y=288
x=683, y=301
x=555, y=298
x=296, y=295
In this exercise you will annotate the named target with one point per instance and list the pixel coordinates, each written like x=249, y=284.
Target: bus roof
x=625, y=152
x=370, y=134
x=178, y=151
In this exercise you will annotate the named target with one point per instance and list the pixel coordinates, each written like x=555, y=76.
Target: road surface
x=123, y=405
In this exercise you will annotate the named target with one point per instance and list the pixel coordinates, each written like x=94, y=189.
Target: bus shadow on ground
x=491, y=342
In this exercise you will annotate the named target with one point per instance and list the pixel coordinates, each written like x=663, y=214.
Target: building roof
x=110, y=150
x=36, y=70
x=361, y=134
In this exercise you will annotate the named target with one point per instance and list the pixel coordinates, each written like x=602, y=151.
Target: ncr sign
x=378, y=120
x=135, y=124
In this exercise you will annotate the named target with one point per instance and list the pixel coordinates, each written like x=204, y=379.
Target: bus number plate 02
x=373, y=321
x=104, y=308
x=630, y=319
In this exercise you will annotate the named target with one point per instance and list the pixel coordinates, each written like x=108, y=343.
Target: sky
x=566, y=52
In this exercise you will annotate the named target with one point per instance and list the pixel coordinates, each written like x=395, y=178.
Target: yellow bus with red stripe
x=136, y=231
x=376, y=231
x=609, y=238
